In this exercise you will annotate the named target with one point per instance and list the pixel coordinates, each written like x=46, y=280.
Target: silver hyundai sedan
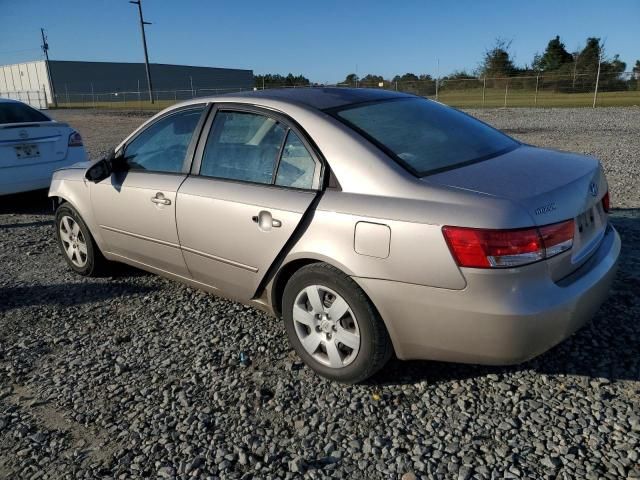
x=371, y=222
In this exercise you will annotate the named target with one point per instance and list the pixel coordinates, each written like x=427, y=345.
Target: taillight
x=557, y=237
x=606, y=202
x=75, y=140
x=485, y=248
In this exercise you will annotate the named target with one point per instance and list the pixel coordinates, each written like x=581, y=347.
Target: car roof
x=322, y=98
x=9, y=100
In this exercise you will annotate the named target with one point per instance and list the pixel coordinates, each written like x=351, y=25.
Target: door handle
x=265, y=221
x=160, y=200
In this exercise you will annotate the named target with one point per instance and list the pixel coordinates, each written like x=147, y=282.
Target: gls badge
x=546, y=208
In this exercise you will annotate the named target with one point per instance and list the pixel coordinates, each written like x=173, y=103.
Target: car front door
x=135, y=208
x=254, y=179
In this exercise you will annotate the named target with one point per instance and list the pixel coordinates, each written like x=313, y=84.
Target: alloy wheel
x=73, y=241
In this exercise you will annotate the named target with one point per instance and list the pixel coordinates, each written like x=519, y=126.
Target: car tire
x=314, y=334
x=78, y=247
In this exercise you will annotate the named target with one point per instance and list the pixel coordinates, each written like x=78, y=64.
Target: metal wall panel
x=76, y=81
x=105, y=77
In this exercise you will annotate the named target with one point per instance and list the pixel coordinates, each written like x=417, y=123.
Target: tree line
x=568, y=71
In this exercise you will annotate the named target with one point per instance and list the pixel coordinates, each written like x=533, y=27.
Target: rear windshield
x=424, y=136
x=19, y=113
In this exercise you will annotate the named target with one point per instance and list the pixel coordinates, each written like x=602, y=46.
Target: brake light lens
x=606, y=205
x=488, y=248
x=75, y=140
x=557, y=238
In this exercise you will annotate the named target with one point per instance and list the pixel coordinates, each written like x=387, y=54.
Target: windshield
x=11, y=112
x=424, y=136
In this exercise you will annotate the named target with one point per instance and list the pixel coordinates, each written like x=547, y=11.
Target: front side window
x=424, y=136
x=243, y=146
x=162, y=147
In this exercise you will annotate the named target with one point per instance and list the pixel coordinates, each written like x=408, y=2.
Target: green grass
x=118, y=105
x=472, y=98
x=526, y=98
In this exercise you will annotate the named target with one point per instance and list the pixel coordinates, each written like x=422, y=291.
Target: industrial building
x=71, y=80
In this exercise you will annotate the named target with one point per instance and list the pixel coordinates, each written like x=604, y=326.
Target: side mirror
x=99, y=171
x=102, y=169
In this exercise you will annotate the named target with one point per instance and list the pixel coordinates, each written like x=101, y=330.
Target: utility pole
x=45, y=49
x=575, y=69
x=595, y=93
x=144, y=44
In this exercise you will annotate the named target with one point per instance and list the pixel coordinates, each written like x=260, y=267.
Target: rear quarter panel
x=417, y=252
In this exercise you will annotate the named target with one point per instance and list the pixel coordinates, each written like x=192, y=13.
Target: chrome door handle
x=159, y=199
x=265, y=221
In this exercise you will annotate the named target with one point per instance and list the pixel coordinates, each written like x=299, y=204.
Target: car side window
x=162, y=146
x=243, y=146
x=296, y=167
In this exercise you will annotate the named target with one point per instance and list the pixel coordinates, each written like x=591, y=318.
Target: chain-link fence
x=137, y=99
x=543, y=90
x=35, y=98
x=573, y=90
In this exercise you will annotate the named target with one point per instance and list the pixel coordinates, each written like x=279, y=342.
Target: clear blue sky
x=323, y=40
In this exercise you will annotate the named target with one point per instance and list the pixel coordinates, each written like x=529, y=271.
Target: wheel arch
x=286, y=271
x=59, y=197
x=291, y=266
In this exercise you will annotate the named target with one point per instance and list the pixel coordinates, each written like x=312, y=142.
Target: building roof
x=323, y=98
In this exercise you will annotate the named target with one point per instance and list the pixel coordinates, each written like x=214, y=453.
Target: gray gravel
x=136, y=376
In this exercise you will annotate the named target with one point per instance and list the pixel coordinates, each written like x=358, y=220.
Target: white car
x=32, y=146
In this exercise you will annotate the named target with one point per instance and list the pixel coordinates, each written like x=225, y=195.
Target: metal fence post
x=506, y=91
x=484, y=89
x=535, y=98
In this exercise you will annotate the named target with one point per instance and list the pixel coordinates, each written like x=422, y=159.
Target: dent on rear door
x=223, y=244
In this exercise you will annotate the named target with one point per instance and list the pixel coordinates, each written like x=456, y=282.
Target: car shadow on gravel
x=606, y=348
x=29, y=203
x=25, y=225
x=66, y=294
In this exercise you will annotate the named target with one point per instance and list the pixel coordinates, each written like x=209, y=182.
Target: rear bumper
x=25, y=178
x=501, y=317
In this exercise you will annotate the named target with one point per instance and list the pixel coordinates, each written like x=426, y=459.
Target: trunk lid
x=23, y=144
x=551, y=186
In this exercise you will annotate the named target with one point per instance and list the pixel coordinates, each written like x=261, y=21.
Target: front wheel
x=332, y=324
x=78, y=246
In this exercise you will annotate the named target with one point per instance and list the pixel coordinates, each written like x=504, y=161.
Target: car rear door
x=254, y=178
x=135, y=209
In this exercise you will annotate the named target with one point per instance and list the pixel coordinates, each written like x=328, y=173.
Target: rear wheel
x=332, y=324
x=78, y=246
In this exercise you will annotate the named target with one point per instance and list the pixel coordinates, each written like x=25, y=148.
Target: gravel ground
x=136, y=376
